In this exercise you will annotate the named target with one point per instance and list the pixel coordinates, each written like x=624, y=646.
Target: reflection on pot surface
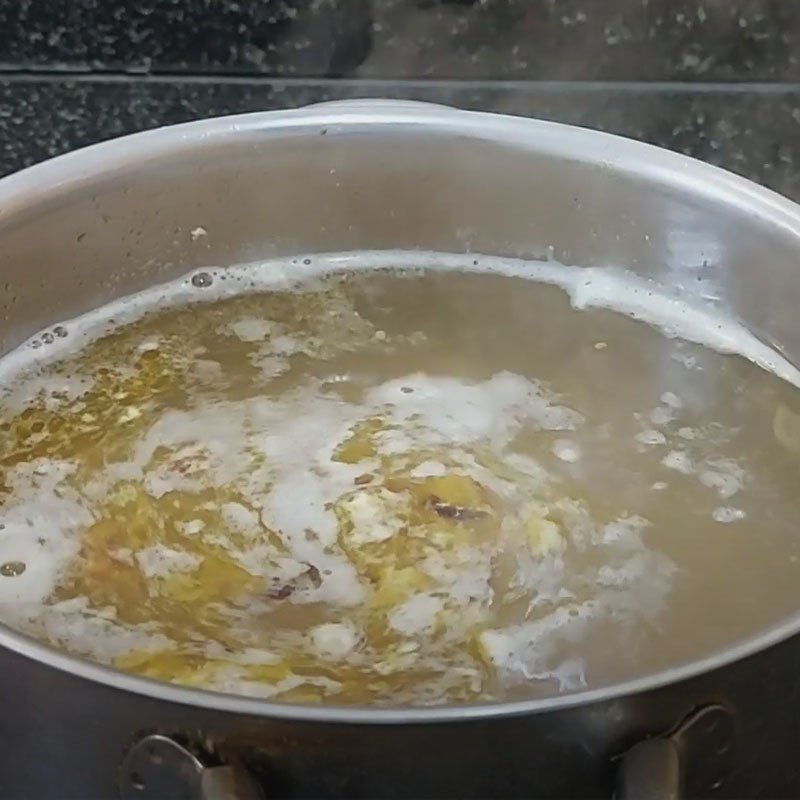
x=319, y=481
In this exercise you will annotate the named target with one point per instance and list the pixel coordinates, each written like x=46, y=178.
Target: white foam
x=252, y=329
x=375, y=516
x=630, y=581
x=662, y=415
x=678, y=460
x=727, y=514
x=42, y=522
x=566, y=450
x=725, y=475
x=417, y=615
x=456, y=412
x=75, y=625
x=686, y=317
x=428, y=469
x=240, y=518
x=159, y=561
x=334, y=640
x=672, y=400
x=651, y=437
x=20, y=394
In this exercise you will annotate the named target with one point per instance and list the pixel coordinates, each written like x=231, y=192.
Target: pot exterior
x=65, y=738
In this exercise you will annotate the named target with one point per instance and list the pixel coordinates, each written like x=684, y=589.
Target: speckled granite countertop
x=754, y=132
x=713, y=78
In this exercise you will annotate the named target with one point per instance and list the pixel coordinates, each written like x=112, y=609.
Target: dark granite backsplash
x=718, y=79
x=610, y=40
x=752, y=133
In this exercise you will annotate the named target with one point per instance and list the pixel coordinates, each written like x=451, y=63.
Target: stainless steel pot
x=109, y=220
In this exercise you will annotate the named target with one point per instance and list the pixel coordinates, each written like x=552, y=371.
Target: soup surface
x=397, y=486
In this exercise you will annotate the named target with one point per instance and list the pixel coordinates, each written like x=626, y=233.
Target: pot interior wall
x=67, y=247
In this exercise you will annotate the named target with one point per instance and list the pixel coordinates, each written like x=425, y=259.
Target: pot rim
x=36, y=184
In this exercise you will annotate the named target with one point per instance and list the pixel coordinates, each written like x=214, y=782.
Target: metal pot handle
x=699, y=748
x=650, y=770
x=158, y=768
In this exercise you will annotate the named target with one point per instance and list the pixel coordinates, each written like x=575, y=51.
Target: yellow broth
x=395, y=488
